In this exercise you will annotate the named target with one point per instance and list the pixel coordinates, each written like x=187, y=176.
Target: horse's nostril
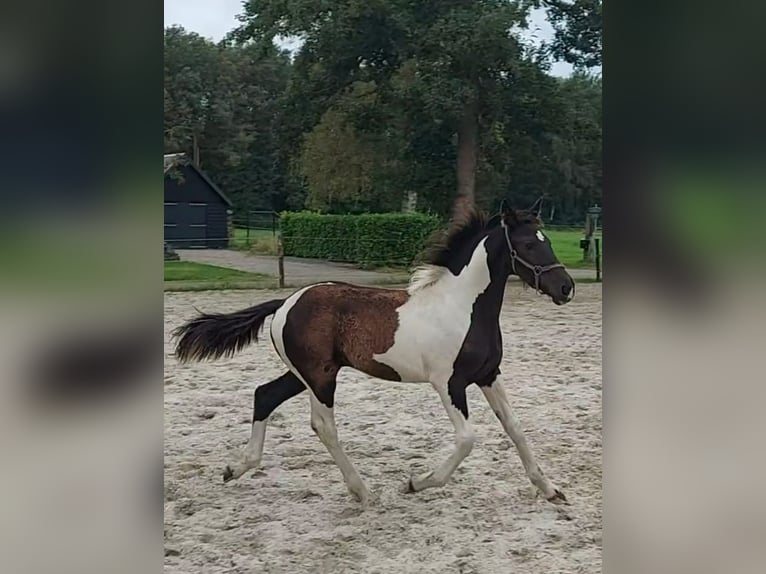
x=566, y=289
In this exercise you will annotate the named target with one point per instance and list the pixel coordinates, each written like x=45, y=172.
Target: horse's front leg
x=498, y=400
x=453, y=397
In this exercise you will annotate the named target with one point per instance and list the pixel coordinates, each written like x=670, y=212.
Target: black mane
x=445, y=245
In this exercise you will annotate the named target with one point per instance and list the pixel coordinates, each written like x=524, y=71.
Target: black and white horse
x=444, y=329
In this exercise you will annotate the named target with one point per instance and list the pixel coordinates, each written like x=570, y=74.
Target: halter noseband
x=536, y=269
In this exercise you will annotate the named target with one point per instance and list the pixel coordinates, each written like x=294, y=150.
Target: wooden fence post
x=598, y=259
x=281, y=262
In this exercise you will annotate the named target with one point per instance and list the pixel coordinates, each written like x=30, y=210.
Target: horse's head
x=531, y=254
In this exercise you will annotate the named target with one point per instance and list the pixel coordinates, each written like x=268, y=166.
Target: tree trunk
x=467, y=148
x=195, y=150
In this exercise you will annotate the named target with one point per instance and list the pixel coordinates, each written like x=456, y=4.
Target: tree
x=442, y=57
x=223, y=106
x=346, y=169
x=190, y=63
x=338, y=165
x=243, y=148
x=546, y=143
x=388, y=97
x=577, y=32
x=578, y=145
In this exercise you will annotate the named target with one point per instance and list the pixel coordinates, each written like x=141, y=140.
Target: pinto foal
x=444, y=329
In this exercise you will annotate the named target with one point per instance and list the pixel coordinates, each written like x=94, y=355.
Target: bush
x=371, y=240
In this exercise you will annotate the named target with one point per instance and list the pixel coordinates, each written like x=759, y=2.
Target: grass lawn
x=188, y=276
x=566, y=245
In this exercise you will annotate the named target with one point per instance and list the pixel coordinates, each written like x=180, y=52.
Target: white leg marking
x=464, y=439
x=498, y=400
x=251, y=457
x=323, y=423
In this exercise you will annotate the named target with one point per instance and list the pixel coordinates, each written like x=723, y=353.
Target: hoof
x=408, y=488
x=424, y=482
x=228, y=474
x=557, y=497
x=362, y=497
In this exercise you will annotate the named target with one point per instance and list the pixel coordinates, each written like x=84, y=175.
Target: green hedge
x=371, y=240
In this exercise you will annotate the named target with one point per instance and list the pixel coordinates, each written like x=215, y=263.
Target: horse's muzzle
x=561, y=289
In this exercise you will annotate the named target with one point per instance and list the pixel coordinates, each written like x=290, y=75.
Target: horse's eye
x=529, y=245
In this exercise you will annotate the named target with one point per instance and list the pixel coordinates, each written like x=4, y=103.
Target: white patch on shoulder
x=540, y=235
x=434, y=322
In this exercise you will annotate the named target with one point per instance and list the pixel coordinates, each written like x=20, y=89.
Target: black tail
x=211, y=336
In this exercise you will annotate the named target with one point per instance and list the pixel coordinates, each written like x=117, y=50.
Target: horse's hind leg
x=323, y=423
x=267, y=398
x=454, y=399
x=497, y=399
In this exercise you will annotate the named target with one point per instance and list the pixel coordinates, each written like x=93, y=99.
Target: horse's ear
x=508, y=214
x=537, y=207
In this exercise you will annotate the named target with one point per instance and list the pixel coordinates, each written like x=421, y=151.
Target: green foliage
x=228, y=99
x=374, y=102
x=371, y=240
x=429, y=63
x=548, y=142
x=340, y=166
x=577, y=31
x=349, y=169
x=190, y=64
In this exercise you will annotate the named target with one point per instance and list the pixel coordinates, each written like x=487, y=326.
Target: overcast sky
x=214, y=18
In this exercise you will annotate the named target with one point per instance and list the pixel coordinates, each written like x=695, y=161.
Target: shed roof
x=171, y=160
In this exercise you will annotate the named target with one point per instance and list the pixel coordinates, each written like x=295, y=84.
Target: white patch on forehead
x=540, y=235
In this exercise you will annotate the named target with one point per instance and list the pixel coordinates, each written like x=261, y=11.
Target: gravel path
x=295, y=516
x=299, y=271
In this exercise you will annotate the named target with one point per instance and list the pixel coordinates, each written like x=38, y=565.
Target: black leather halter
x=536, y=269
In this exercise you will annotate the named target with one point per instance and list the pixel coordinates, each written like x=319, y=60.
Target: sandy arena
x=295, y=516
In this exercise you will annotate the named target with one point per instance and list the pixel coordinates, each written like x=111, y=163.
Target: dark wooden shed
x=196, y=211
